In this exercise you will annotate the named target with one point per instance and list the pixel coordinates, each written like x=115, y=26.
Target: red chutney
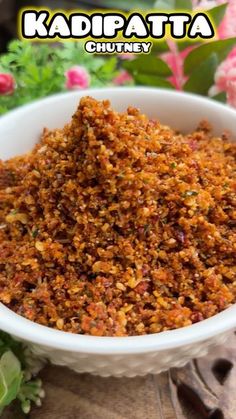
x=117, y=225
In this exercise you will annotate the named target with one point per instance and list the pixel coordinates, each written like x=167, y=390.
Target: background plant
x=41, y=70
x=192, y=66
x=17, y=367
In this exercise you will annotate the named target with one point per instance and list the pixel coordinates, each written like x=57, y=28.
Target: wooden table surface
x=204, y=389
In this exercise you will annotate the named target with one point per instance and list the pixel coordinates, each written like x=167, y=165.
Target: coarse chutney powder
x=117, y=225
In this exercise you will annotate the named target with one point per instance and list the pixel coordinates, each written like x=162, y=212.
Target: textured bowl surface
x=128, y=356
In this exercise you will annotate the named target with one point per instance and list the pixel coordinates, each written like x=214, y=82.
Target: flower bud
x=77, y=77
x=7, y=84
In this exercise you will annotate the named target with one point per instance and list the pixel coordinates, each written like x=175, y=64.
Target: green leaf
x=202, y=78
x=221, y=97
x=150, y=80
x=183, y=4
x=148, y=64
x=182, y=45
x=109, y=65
x=217, y=13
x=8, y=343
x=159, y=47
x=173, y=4
x=202, y=53
x=105, y=73
x=10, y=378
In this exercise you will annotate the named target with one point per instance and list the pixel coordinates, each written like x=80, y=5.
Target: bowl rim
x=124, y=89
x=35, y=333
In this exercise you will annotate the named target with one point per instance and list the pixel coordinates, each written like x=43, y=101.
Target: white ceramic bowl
x=128, y=356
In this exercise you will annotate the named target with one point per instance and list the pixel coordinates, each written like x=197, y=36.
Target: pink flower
x=122, y=78
x=232, y=93
x=77, y=77
x=232, y=53
x=225, y=79
x=175, y=61
x=226, y=72
x=227, y=28
x=7, y=84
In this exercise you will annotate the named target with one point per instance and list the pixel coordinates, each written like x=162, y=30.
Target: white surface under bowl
x=125, y=356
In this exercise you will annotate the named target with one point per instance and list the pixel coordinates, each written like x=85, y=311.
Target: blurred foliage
x=15, y=375
x=39, y=70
